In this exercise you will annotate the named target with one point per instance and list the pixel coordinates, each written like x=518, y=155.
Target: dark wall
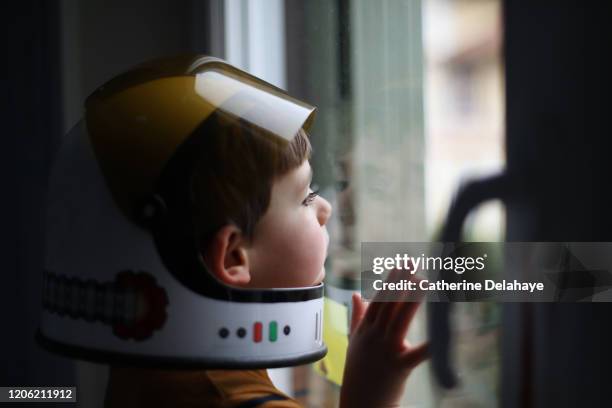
x=31, y=122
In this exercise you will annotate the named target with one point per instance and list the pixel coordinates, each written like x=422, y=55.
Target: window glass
x=410, y=99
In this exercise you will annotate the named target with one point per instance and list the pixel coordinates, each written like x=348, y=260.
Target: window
x=410, y=105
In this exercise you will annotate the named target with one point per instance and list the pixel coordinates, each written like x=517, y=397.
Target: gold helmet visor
x=138, y=120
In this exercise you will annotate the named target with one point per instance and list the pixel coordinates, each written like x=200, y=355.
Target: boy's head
x=257, y=221
x=177, y=161
x=206, y=146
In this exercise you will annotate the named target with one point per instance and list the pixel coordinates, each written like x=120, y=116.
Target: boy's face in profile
x=290, y=241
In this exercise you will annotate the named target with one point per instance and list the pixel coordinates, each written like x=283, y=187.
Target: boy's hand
x=379, y=359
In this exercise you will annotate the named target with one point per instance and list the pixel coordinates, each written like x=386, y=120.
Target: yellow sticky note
x=335, y=335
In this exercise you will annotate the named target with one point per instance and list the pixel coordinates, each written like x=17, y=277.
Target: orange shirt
x=132, y=387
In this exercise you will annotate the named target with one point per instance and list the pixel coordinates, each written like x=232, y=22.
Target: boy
x=195, y=178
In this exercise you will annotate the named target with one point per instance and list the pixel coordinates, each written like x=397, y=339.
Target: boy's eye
x=310, y=197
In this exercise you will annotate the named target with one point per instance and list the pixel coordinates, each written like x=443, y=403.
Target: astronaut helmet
x=124, y=280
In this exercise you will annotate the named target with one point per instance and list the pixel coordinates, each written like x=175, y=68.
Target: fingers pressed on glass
x=378, y=302
x=404, y=312
x=387, y=306
x=359, y=308
x=401, y=321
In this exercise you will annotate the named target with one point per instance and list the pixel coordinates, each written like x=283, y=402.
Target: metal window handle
x=471, y=195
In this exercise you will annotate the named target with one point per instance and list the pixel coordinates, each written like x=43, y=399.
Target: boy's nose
x=324, y=211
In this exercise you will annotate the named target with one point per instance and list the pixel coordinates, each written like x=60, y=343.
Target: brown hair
x=233, y=175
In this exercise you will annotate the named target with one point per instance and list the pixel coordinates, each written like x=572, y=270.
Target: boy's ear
x=227, y=258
